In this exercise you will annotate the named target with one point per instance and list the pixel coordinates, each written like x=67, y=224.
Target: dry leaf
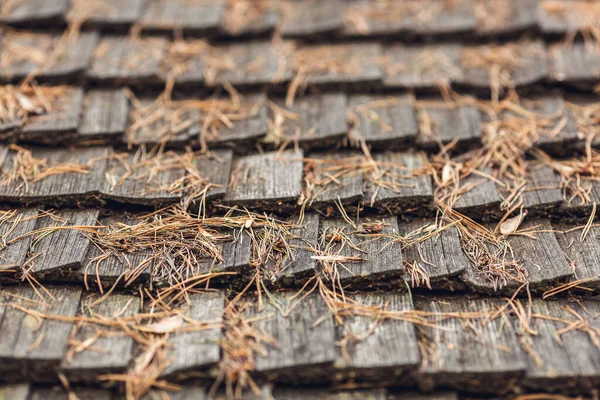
x=32, y=323
x=511, y=224
x=167, y=325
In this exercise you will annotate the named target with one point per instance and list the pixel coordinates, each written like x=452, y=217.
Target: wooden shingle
x=127, y=60
x=312, y=121
x=575, y=63
x=59, y=393
x=388, y=352
x=215, y=168
x=557, y=17
x=34, y=347
x=17, y=391
x=436, y=254
x=198, y=18
x=111, y=353
x=243, y=18
x=442, y=122
x=304, y=351
x=104, y=114
x=61, y=188
x=384, y=122
x=106, y=14
x=400, y=184
x=479, y=196
x=55, y=61
x=542, y=191
x=197, y=349
x=485, y=358
x=307, y=394
x=14, y=224
x=32, y=12
x=373, y=257
x=505, y=17
x=582, y=252
x=271, y=179
x=302, y=18
x=56, y=252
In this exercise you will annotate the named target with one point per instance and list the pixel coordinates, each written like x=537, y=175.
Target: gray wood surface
x=306, y=394
x=421, y=67
x=400, y=186
x=316, y=120
x=17, y=391
x=476, y=356
x=53, y=253
x=251, y=18
x=554, y=20
x=59, y=393
x=245, y=131
x=347, y=185
x=440, y=255
x=542, y=190
x=444, y=18
x=481, y=196
x=583, y=255
x=127, y=60
x=380, y=259
x=111, y=352
x=192, y=17
x=104, y=114
x=448, y=122
x=304, y=351
x=387, y=350
x=31, y=11
x=311, y=18
x=31, y=346
x=111, y=13
x=14, y=224
x=269, y=177
x=505, y=17
x=384, y=122
x=216, y=169
x=67, y=188
x=199, y=349
x=574, y=63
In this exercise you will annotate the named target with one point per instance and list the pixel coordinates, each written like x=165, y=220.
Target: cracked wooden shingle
x=104, y=115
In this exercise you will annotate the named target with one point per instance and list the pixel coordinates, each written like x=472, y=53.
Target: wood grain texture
x=67, y=188
x=125, y=60
x=110, y=14
x=104, y=114
x=384, y=122
x=575, y=63
x=35, y=11
x=14, y=224
x=56, y=252
x=110, y=353
x=306, y=394
x=445, y=19
x=18, y=391
x=347, y=187
x=264, y=179
x=311, y=18
x=389, y=350
x=400, y=185
x=542, y=191
x=573, y=357
x=31, y=347
x=480, y=196
x=316, y=120
x=199, y=349
x=379, y=258
x=66, y=66
x=583, y=255
x=508, y=17
x=486, y=358
x=215, y=168
x=192, y=17
x=421, y=67
x=540, y=259
x=448, y=122
x=305, y=353
x=439, y=255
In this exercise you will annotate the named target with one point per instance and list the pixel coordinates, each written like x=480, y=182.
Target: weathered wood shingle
x=32, y=12
x=14, y=226
x=507, y=17
x=249, y=17
x=306, y=394
x=191, y=17
x=104, y=115
x=106, y=14
x=575, y=63
x=542, y=191
x=582, y=251
x=303, y=18
x=442, y=122
x=215, y=169
x=19, y=391
x=478, y=196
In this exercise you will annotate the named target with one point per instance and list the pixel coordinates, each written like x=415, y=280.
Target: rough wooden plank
x=542, y=191
x=505, y=17
x=476, y=356
x=388, y=352
x=445, y=122
x=58, y=125
x=315, y=121
x=305, y=352
x=133, y=179
x=99, y=269
x=107, y=14
x=270, y=179
x=215, y=168
x=556, y=17
x=68, y=188
x=530, y=65
x=66, y=65
x=583, y=255
x=306, y=394
x=33, y=348
x=127, y=60
x=249, y=18
x=104, y=114
x=17, y=391
x=384, y=122
x=479, y=196
x=199, y=349
x=13, y=225
x=400, y=185
x=575, y=63
x=303, y=18
x=55, y=252
x=420, y=67
x=539, y=261
x=110, y=354
x=34, y=11
x=59, y=393
x=378, y=258
x=191, y=17
x=439, y=256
